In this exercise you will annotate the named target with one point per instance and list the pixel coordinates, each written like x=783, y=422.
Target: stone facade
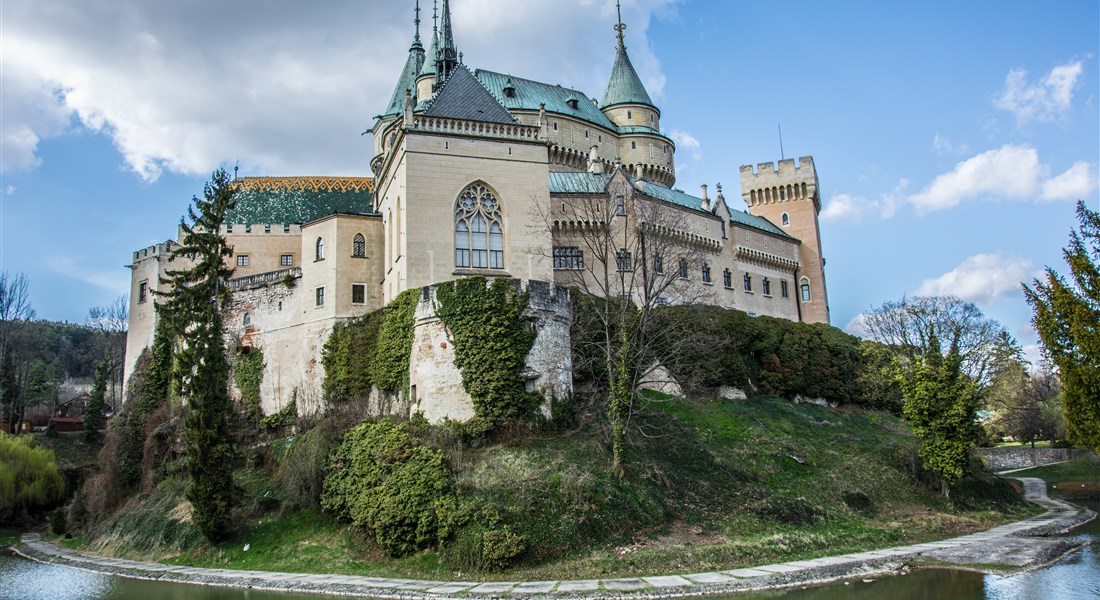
x=478, y=173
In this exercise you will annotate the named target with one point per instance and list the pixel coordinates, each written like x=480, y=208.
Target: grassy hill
x=708, y=484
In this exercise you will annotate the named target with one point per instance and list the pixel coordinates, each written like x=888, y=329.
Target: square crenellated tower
x=787, y=195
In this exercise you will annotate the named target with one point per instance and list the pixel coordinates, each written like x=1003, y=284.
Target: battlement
x=787, y=168
x=162, y=249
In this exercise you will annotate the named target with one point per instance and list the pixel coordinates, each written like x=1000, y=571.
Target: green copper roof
x=407, y=79
x=429, y=58
x=624, y=87
x=593, y=183
x=530, y=94
x=273, y=200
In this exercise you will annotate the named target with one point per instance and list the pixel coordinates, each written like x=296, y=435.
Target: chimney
x=705, y=204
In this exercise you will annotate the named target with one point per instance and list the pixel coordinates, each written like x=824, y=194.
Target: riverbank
x=1014, y=545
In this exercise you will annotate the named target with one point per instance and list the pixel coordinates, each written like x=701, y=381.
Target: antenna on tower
x=781, y=155
x=619, y=27
x=236, y=167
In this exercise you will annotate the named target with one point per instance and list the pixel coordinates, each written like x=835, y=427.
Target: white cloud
x=1044, y=100
x=10, y=190
x=1007, y=172
x=285, y=92
x=858, y=326
x=849, y=207
x=1077, y=182
x=686, y=142
x=981, y=278
x=941, y=145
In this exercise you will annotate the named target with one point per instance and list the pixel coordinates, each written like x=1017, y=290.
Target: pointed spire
x=428, y=68
x=447, y=59
x=619, y=27
x=624, y=86
x=406, y=83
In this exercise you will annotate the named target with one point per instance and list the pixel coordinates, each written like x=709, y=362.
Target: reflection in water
x=1075, y=577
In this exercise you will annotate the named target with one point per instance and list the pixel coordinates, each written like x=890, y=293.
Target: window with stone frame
x=319, y=296
x=358, y=293
x=568, y=258
x=683, y=269
x=658, y=264
x=286, y=260
x=748, y=282
x=143, y=292
x=706, y=273
x=784, y=289
x=727, y=278
x=242, y=260
x=479, y=230
x=319, y=249
x=359, y=246
x=766, y=286
x=624, y=260
x=806, y=292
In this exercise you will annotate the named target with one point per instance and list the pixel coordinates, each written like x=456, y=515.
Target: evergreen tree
x=941, y=404
x=1067, y=317
x=93, y=412
x=191, y=314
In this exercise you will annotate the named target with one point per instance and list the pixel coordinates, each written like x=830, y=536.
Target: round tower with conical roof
x=627, y=104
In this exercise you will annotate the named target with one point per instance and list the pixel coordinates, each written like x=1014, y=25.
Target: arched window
x=479, y=234
x=320, y=249
x=359, y=246
x=805, y=289
x=786, y=219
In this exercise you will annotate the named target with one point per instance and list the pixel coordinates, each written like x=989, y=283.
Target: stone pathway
x=1010, y=544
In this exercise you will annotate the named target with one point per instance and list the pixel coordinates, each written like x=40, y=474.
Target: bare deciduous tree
x=112, y=320
x=626, y=254
x=908, y=325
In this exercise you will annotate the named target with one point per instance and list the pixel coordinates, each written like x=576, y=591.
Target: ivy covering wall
x=248, y=372
x=371, y=351
x=491, y=340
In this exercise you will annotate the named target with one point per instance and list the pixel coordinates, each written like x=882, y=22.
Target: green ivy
x=491, y=340
x=284, y=417
x=384, y=480
x=390, y=369
x=347, y=357
x=247, y=374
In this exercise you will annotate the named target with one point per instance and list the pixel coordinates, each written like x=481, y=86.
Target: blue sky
x=951, y=138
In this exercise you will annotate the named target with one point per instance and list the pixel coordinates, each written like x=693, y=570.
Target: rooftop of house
x=299, y=199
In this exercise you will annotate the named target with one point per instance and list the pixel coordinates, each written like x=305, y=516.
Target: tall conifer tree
x=1067, y=317
x=191, y=313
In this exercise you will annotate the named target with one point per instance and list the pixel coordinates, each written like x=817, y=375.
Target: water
x=1077, y=576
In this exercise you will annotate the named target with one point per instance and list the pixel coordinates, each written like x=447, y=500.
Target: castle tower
x=447, y=59
x=627, y=104
x=425, y=80
x=788, y=196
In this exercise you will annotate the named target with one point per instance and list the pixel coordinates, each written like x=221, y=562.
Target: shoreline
x=1021, y=536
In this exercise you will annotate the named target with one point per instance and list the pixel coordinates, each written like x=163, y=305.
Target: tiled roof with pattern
x=272, y=200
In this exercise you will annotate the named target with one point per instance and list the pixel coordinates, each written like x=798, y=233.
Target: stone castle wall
x=1022, y=457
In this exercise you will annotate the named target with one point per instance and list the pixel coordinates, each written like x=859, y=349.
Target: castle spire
x=619, y=27
x=447, y=59
x=624, y=86
x=406, y=83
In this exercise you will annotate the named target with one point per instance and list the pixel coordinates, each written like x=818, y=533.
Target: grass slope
x=1078, y=478
x=708, y=485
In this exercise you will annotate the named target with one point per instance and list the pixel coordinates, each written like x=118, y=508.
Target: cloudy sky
x=951, y=139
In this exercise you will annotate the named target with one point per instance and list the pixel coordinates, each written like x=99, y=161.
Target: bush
x=58, y=523
x=302, y=467
x=382, y=479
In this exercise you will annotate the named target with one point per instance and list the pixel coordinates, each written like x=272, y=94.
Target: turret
x=447, y=58
x=407, y=80
x=425, y=81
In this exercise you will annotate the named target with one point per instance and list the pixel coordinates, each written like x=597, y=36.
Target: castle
x=479, y=173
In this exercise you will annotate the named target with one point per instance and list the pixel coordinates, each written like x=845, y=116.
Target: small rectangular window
x=624, y=261
x=248, y=228
x=706, y=273
x=358, y=293
x=727, y=278
x=805, y=292
x=658, y=264
x=748, y=282
x=242, y=260
x=766, y=285
x=683, y=271
x=568, y=259
x=286, y=227
x=267, y=228
x=320, y=296
x=229, y=228
x=286, y=260
x=620, y=206
x=143, y=291
x=783, y=289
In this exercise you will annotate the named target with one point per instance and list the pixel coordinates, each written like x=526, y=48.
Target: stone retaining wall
x=1023, y=457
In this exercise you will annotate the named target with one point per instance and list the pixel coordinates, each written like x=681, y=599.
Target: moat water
x=1076, y=576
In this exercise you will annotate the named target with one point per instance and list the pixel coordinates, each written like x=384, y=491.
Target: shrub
x=302, y=468
x=859, y=502
x=382, y=479
x=58, y=523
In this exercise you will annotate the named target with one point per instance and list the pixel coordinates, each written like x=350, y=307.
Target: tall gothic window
x=320, y=249
x=479, y=235
x=359, y=246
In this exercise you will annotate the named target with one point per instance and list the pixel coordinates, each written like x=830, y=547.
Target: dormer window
x=573, y=102
x=509, y=92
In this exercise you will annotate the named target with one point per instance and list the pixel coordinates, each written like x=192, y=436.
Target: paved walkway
x=1004, y=545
